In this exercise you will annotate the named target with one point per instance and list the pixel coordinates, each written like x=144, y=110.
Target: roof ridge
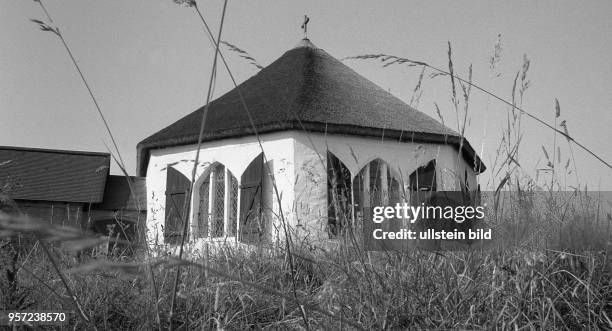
x=51, y=150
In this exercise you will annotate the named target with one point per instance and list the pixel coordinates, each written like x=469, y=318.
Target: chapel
x=306, y=140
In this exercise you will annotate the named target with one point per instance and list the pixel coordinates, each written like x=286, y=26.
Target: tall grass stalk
x=61, y=275
x=119, y=161
x=287, y=236
x=195, y=165
x=348, y=287
x=55, y=30
x=400, y=60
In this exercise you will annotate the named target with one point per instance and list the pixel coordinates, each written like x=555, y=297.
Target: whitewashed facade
x=297, y=160
x=332, y=143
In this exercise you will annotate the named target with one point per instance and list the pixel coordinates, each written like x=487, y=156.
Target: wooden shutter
x=424, y=178
x=177, y=185
x=251, y=186
x=338, y=195
x=423, y=183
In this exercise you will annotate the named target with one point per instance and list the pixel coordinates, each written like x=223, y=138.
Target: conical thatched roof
x=307, y=88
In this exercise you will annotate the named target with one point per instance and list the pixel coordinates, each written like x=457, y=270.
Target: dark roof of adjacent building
x=53, y=175
x=118, y=195
x=307, y=89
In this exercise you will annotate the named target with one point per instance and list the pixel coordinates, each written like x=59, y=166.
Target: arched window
x=339, y=200
x=375, y=185
x=218, y=204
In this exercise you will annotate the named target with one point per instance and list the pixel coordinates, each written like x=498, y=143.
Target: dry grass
x=252, y=288
x=296, y=286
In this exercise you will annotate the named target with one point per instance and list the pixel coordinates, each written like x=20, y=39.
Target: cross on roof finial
x=305, y=26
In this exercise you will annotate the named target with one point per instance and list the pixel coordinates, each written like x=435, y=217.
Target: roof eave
x=467, y=151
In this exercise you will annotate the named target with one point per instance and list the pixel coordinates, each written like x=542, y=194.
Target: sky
x=148, y=63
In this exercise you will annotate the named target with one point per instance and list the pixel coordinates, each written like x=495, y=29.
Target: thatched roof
x=307, y=88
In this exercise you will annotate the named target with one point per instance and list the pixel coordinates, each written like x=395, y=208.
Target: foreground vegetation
x=304, y=287
x=335, y=288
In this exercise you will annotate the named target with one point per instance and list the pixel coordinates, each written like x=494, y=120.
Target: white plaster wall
x=298, y=163
x=403, y=158
x=310, y=205
x=454, y=171
x=236, y=155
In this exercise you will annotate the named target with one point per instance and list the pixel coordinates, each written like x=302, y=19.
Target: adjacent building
x=71, y=188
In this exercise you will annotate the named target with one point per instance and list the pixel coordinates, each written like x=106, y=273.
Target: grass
x=252, y=288
x=292, y=285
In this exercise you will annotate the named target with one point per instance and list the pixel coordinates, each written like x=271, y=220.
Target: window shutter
x=423, y=183
x=424, y=178
x=338, y=195
x=177, y=185
x=251, y=186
